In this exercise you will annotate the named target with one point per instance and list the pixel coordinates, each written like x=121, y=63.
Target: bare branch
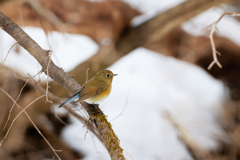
x=8, y=54
x=69, y=109
x=15, y=101
x=155, y=29
x=10, y=111
x=42, y=56
x=110, y=139
x=50, y=54
x=17, y=115
x=24, y=110
x=214, y=28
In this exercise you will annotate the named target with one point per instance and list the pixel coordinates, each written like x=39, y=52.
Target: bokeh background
x=165, y=103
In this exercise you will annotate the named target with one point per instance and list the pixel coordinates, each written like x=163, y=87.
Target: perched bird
x=94, y=90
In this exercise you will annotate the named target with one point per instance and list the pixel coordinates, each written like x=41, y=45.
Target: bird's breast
x=103, y=95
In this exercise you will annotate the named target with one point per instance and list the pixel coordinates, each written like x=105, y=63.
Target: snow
x=227, y=27
x=68, y=50
x=150, y=8
x=147, y=86
x=142, y=93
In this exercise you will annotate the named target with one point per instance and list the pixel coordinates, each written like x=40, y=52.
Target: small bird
x=94, y=90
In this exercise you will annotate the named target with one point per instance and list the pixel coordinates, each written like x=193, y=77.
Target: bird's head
x=105, y=75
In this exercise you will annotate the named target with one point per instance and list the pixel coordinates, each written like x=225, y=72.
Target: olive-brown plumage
x=94, y=90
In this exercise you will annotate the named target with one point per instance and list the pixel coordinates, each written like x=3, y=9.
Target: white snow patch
x=69, y=50
x=147, y=86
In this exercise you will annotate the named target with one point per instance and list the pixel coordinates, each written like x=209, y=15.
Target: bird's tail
x=70, y=99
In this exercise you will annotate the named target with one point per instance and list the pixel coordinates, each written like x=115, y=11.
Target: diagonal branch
x=110, y=140
x=42, y=56
x=153, y=30
x=38, y=87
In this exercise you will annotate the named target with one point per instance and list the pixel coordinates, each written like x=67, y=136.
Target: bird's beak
x=115, y=74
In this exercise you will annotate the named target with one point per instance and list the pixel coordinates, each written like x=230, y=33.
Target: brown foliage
x=95, y=19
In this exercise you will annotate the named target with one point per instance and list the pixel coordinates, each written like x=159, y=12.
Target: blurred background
x=165, y=103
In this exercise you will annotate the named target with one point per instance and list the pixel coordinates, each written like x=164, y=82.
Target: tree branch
x=214, y=28
x=153, y=30
x=156, y=28
x=57, y=74
x=42, y=56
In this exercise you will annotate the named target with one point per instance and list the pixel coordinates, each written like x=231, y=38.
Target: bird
x=94, y=90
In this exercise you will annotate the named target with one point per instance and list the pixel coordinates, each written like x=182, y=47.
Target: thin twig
x=50, y=54
x=124, y=106
x=33, y=83
x=86, y=75
x=15, y=101
x=24, y=110
x=20, y=13
x=54, y=150
x=10, y=111
x=17, y=115
x=69, y=109
x=214, y=28
x=8, y=54
x=55, y=114
x=109, y=138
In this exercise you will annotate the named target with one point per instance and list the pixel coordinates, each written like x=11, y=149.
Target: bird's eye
x=108, y=75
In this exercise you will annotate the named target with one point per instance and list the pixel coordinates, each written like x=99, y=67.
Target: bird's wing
x=90, y=91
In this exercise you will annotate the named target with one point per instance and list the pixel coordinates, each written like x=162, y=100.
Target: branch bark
x=57, y=74
x=42, y=56
x=214, y=28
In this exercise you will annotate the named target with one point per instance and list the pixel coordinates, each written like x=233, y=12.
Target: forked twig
x=214, y=28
